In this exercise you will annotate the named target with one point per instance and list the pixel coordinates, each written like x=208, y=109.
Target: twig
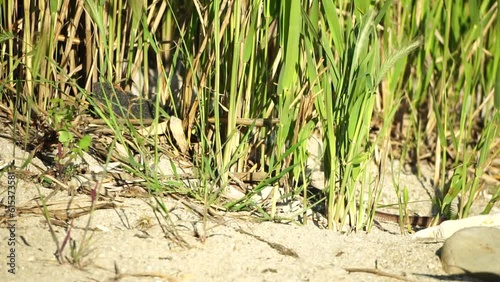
x=377, y=272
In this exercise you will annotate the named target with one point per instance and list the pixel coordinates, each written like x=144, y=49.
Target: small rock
x=447, y=228
x=232, y=193
x=263, y=194
x=473, y=251
x=169, y=168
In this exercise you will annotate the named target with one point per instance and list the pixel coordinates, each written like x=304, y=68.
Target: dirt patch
x=128, y=243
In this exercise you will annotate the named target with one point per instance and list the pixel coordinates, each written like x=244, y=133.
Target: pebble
x=473, y=251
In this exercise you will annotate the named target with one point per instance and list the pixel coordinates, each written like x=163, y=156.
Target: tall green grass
x=427, y=75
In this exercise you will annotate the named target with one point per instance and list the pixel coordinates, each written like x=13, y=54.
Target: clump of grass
x=79, y=250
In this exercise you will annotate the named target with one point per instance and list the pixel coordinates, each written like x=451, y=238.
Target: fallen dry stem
x=378, y=272
x=60, y=209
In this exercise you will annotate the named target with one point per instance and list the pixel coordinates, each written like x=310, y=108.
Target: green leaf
x=288, y=75
x=354, y=118
x=334, y=25
x=65, y=136
x=406, y=197
x=85, y=142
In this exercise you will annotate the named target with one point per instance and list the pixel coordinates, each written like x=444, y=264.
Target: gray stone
x=473, y=251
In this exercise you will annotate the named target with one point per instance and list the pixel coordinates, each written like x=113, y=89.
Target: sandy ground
x=128, y=243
